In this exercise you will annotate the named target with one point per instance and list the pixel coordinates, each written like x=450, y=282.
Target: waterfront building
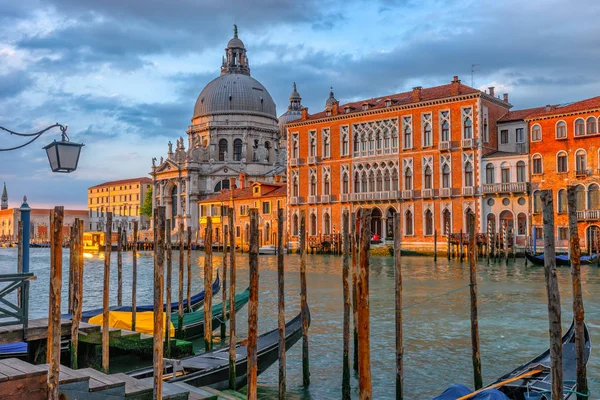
x=418, y=153
x=505, y=179
x=39, y=222
x=265, y=196
x=124, y=198
x=565, y=150
x=234, y=131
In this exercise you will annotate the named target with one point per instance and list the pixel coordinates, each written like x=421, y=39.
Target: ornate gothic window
x=407, y=129
x=467, y=123
x=427, y=133
x=326, y=224
x=445, y=126
x=312, y=143
x=445, y=176
x=446, y=222
x=408, y=179
x=326, y=142
x=428, y=223
x=313, y=224
x=428, y=178
x=294, y=225
x=408, y=223
x=468, y=174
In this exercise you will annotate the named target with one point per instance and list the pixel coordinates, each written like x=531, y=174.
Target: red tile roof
x=268, y=190
x=432, y=93
x=582, y=105
x=518, y=115
x=122, y=181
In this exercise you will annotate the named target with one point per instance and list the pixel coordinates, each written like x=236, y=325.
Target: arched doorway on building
x=507, y=219
x=376, y=222
x=593, y=238
x=389, y=223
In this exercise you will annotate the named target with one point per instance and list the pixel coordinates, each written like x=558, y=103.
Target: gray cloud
x=14, y=83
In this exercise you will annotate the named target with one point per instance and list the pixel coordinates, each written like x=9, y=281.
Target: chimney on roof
x=455, y=86
x=242, y=181
x=416, y=93
x=335, y=108
x=231, y=184
x=505, y=97
x=548, y=107
x=304, y=113
x=491, y=88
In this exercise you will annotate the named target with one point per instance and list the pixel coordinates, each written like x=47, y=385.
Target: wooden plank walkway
x=38, y=330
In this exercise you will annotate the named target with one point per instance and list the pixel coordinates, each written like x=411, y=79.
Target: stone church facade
x=234, y=134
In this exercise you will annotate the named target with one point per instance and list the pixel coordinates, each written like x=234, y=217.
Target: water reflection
x=513, y=315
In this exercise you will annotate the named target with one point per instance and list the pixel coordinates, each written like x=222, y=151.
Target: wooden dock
x=19, y=380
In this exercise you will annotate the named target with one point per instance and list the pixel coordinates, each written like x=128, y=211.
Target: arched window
x=537, y=202
x=522, y=224
x=536, y=162
x=386, y=180
x=468, y=128
x=536, y=133
x=267, y=232
x=356, y=183
x=446, y=176
x=468, y=174
x=505, y=172
x=489, y=173
x=356, y=143
x=427, y=140
x=580, y=162
x=521, y=173
x=408, y=181
x=446, y=222
x=562, y=201
x=222, y=149
x=326, y=224
x=428, y=223
x=561, y=130
x=428, y=178
x=592, y=126
x=579, y=127
x=222, y=185
x=378, y=141
x=562, y=164
x=313, y=224
x=237, y=149
x=295, y=225
x=371, y=182
x=445, y=131
x=407, y=137
x=326, y=185
x=313, y=186
x=491, y=222
x=371, y=142
x=345, y=184
x=268, y=148
x=173, y=202
x=364, y=181
x=345, y=144
x=394, y=140
x=593, y=197
x=408, y=223
x=295, y=187
x=379, y=181
x=580, y=198
x=394, y=179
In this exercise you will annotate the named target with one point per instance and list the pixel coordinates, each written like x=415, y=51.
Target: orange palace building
x=417, y=153
x=565, y=150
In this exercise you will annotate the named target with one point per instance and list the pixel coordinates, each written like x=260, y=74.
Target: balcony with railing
x=427, y=193
x=325, y=198
x=509, y=187
x=588, y=215
x=294, y=162
x=468, y=191
x=468, y=143
x=294, y=200
x=407, y=194
x=345, y=197
x=314, y=160
x=583, y=172
x=445, y=192
x=445, y=146
x=313, y=199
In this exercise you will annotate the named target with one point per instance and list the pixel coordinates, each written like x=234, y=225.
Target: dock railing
x=14, y=312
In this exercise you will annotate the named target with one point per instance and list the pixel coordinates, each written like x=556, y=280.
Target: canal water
x=512, y=316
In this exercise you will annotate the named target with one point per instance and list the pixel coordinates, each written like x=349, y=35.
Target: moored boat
x=561, y=259
x=212, y=368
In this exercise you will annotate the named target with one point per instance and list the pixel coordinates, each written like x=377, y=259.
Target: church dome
x=293, y=112
x=330, y=100
x=235, y=90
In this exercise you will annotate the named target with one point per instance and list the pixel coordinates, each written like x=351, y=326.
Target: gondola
x=561, y=259
x=193, y=323
x=212, y=368
x=525, y=383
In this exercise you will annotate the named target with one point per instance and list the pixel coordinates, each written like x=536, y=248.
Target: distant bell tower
x=4, y=204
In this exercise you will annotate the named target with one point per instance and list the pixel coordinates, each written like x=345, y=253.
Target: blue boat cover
x=565, y=257
x=456, y=391
x=13, y=348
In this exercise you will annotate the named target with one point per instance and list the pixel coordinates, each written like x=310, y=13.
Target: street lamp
x=63, y=155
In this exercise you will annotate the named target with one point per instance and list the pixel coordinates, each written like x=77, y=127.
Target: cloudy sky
x=124, y=75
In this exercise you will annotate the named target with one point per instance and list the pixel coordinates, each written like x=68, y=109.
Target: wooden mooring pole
x=364, y=347
x=232, y=354
x=554, y=317
x=72, y=261
x=476, y=355
x=20, y=258
x=180, y=281
x=398, y=297
x=253, y=306
x=208, y=285
x=106, y=291
x=434, y=245
x=448, y=237
x=77, y=272
x=159, y=276
x=224, y=302
x=53, y=346
x=578, y=309
x=189, y=268
x=304, y=301
x=461, y=250
x=354, y=239
x=346, y=289
x=169, y=249
x=281, y=305
x=134, y=277
x=119, y=266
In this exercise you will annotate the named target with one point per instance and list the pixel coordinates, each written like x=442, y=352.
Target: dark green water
x=512, y=316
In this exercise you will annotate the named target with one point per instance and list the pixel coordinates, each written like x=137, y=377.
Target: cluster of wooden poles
x=356, y=249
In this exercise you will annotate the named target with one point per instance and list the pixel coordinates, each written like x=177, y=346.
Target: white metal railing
x=588, y=215
x=427, y=193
